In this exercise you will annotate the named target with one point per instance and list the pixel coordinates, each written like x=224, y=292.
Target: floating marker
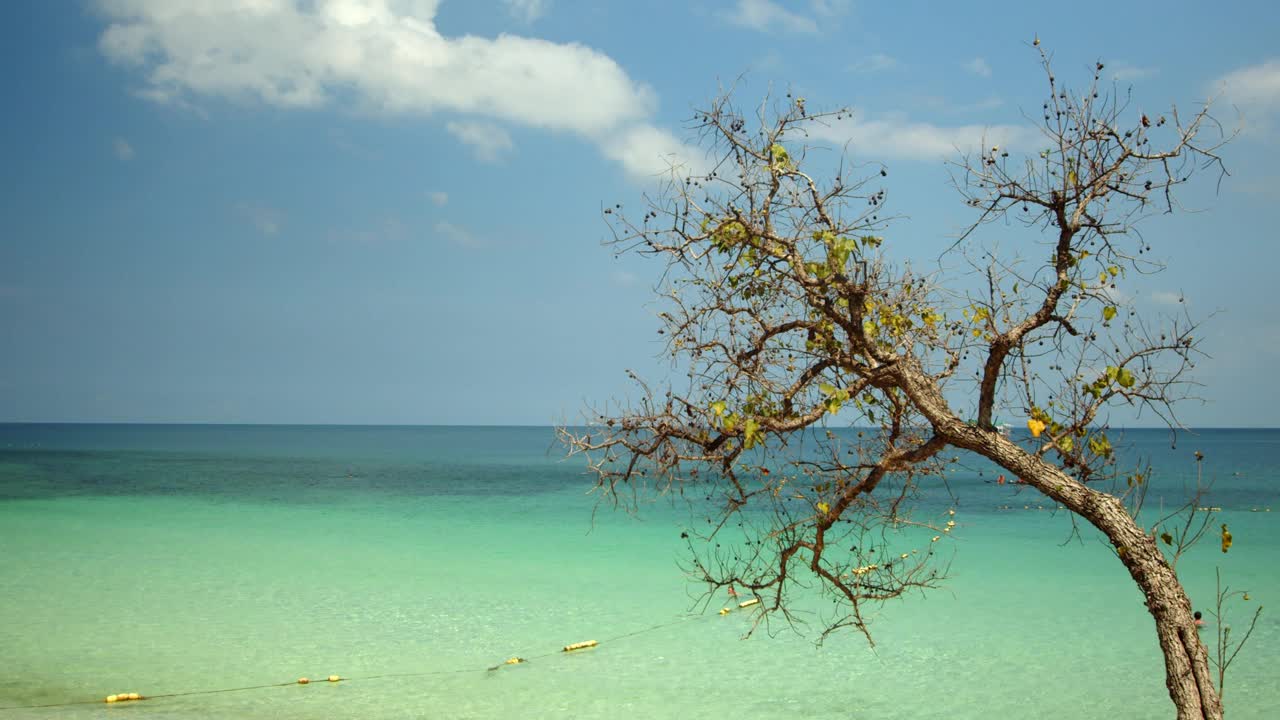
x=112, y=698
x=303, y=681
x=123, y=697
x=724, y=611
x=516, y=660
x=334, y=678
x=749, y=603
x=580, y=645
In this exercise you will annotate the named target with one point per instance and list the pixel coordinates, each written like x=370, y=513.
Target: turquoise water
x=162, y=559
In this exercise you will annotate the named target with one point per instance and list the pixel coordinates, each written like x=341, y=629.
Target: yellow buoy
x=515, y=661
x=135, y=696
x=748, y=603
x=112, y=698
x=724, y=611
x=580, y=645
x=334, y=678
x=303, y=681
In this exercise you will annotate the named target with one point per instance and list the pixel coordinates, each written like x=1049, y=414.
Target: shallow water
x=167, y=559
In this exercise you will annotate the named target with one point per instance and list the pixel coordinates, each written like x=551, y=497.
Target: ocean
x=175, y=559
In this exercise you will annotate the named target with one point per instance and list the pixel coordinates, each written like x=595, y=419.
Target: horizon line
x=204, y=423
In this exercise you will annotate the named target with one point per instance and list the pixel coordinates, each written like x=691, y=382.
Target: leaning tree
x=787, y=315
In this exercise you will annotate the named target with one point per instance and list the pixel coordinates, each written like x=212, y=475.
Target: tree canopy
x=787, y=315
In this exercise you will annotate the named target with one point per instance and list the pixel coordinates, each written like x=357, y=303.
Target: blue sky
x=388, y=211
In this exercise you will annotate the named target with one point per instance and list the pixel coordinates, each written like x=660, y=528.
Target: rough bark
x=1187, y=674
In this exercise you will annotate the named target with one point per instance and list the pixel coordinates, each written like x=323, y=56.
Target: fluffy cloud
x=767, y=16
x=1255, y=90
x=896, y=137
x=439, y=198
x=385, y=56
x=650, y=152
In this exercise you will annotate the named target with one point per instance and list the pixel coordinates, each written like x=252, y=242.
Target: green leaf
x=781, y=159
x=1100, y=445
x=1108, y=313
x=717, y=407
x=1125, y=378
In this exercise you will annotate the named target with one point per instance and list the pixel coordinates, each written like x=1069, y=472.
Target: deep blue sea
x=166, y=559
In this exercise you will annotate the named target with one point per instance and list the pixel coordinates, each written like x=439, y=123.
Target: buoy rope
x=336, y=679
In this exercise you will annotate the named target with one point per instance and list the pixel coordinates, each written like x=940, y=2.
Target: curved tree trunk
x=1186, y=660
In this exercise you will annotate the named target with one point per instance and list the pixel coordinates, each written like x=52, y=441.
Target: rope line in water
x=334, y=679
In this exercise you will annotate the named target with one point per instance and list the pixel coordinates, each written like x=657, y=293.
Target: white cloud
x=487, y=139
x=438, y=198
x=384, y=56
x=1124, y=72
x=878, y=62
x=897, y=137
x=527, y=10
x=978, y=66
x=767, y=16
x=650, y=152
x=457, y=235
x=1255, y=85
x=1164, y=297
x=123, y=149
x=1255, y=90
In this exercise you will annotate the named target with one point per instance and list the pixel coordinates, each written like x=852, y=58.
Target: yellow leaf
x=1035, y=426
x=824, y=508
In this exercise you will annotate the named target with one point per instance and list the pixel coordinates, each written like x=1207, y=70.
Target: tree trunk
x=1186, y=661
